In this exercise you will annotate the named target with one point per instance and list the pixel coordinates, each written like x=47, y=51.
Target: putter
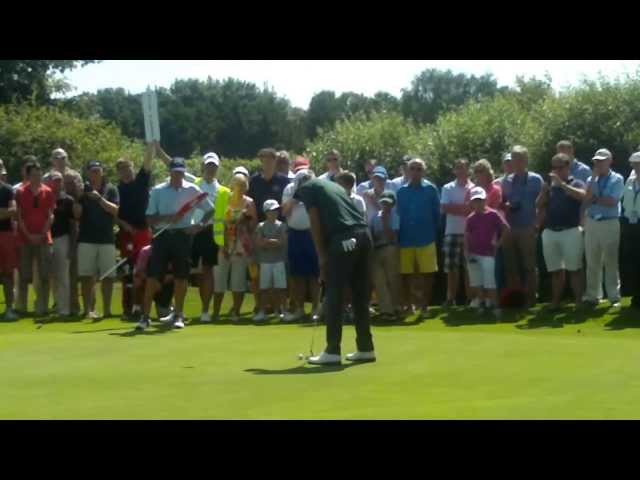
x=183, y=210
x=302, y=356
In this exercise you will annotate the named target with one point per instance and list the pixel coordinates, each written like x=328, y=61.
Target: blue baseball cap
x=380, y=172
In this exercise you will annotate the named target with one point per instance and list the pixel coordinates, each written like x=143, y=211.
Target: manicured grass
x=457, y=365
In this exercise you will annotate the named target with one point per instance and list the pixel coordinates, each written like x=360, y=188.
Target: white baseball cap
x=635, y=158
x=240, y=170
x=211, y=157
x=477, y=193
x=270, y=205
x=602, y=154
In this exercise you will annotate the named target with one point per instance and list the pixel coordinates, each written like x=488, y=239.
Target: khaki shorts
x=563, y=250
x=230, y=273
x=95, y=259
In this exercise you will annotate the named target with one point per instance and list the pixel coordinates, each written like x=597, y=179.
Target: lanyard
x=603, y=188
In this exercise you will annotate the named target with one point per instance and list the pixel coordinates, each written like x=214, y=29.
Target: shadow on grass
x=150, y=331
x=303, y=369
x=565, y=315
x=625, y=318
x=465, y=316
x=101, y=330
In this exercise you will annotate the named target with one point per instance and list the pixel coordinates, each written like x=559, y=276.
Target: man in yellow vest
x=209, y=241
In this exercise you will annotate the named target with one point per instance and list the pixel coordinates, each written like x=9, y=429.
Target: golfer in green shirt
x=344, y=246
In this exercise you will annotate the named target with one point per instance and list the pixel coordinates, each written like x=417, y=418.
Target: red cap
x=300, y=163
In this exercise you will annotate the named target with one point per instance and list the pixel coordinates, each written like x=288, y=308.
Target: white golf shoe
x=361, y=357
x=325, y=359
x=179, y=323
x=205, y=318
x=169, y=318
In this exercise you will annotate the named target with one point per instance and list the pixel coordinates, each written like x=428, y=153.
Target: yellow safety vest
x=222, y=201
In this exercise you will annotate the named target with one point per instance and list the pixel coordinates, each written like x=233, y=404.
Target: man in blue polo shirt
x=173, y=246
x=577, y=170
x=419, y=211
x=602, y=229
x=520, y=191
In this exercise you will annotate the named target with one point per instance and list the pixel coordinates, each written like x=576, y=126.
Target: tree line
x=440, y=116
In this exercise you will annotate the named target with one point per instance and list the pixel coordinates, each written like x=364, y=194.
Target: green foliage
x=34, y=80
x=30, y=130
x=386, y=137
x=594, y=115
x=435, y=91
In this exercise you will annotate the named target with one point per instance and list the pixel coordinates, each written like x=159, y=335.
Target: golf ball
x=300, y=356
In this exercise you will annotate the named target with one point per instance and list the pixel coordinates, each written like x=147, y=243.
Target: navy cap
x=94, y=164
x=177, y=165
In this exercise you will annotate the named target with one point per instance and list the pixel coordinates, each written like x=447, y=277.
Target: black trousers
x=352, y=269
x=630, y=260
x=164, y=296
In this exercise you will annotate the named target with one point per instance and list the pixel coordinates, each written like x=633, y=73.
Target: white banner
x=150, y=112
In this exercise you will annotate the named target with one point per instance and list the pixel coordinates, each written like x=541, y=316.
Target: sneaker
x=361, y=357
x=179, y=323
x=205, y=318
x=215, y=318
x=315, y=317
x=143, y=324
x=449, y=304
x=476, y=303
x=11, y=315
x=259, y=317
x=292, y=317
x=234, y=318
x=163, y=312
x=325, y=359
x=169, y=318
x=93, y=315
x=615, y=303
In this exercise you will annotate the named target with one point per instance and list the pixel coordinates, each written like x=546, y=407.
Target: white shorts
x=236, y=267
x=273, y=275
x=482, y=272
x=563, y=250
x=94, y=259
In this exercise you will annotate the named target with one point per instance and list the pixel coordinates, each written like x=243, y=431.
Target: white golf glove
x=349, y=245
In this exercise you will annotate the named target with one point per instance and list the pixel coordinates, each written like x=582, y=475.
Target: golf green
x=454, y=365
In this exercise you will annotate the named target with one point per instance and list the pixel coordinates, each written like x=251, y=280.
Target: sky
x=299, y=80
